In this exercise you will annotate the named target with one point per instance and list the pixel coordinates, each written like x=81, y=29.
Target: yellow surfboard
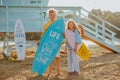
x=83, y=52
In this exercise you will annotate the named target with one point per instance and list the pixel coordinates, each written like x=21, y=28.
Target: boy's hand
x=63, y=34
x=38, y=42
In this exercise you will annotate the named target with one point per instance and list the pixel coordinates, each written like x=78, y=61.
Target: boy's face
x=52, y=15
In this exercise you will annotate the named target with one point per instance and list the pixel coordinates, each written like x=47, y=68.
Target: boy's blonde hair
x=51, y=10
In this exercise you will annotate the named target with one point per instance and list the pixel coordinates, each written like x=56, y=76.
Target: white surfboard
x=70, y=36
x=20, y=40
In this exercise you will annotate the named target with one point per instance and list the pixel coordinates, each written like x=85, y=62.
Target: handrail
x=102, y=19
x=107, y=36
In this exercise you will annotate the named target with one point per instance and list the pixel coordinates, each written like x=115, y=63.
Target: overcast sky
x=111, y=5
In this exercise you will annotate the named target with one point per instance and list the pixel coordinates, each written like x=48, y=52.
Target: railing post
x=112, y=35
x=113, y=39
x=75, y=16
x=103, y=30
x=79, y=16
x=96, y=30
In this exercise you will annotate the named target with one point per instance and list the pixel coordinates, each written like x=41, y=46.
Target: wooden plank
x=100, y=44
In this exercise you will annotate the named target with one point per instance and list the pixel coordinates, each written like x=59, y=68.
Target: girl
x=73, y=60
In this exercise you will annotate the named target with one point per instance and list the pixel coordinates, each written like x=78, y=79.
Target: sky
x=111, y=5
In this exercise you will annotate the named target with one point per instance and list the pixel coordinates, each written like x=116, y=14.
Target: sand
x=103, y=65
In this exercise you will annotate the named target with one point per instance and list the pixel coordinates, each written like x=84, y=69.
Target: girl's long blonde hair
x=74, y=23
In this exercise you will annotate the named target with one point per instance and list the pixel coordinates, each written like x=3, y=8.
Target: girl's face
x=71, y=26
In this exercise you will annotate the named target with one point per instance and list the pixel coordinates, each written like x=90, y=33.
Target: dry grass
x=101, y=66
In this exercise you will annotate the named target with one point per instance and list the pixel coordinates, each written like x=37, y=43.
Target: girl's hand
x=75, y=49
x=76, y=46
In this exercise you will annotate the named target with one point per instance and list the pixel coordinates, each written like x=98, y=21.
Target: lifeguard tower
x=33, y=15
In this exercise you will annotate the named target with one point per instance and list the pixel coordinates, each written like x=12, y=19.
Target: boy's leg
x=57, y=59
x=57, y=65
x=49, y=68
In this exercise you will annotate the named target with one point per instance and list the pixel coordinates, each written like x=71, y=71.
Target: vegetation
x=112, y=17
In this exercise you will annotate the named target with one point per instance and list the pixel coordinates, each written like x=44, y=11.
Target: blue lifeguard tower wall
x=29, y=11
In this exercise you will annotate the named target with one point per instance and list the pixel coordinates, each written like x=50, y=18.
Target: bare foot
x=70, y=73
x=75, y=73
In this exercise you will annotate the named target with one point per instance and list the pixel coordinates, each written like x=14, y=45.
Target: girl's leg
x=76, y=63
x=70, y=65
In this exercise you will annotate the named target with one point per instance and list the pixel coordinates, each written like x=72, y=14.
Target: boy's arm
x=38, y=41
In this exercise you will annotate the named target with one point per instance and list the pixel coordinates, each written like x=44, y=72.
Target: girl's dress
x=73, y=60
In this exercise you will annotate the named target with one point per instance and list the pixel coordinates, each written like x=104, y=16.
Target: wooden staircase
x=99, y=33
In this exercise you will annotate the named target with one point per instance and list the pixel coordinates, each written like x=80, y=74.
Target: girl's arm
x=75, y=49
x=77, y=40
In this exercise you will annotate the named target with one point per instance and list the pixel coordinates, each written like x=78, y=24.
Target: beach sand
x=103, y=65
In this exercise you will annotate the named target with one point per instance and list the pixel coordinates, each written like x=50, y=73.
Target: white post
x=41, y=16
x=1, y=2
x=7, y=32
